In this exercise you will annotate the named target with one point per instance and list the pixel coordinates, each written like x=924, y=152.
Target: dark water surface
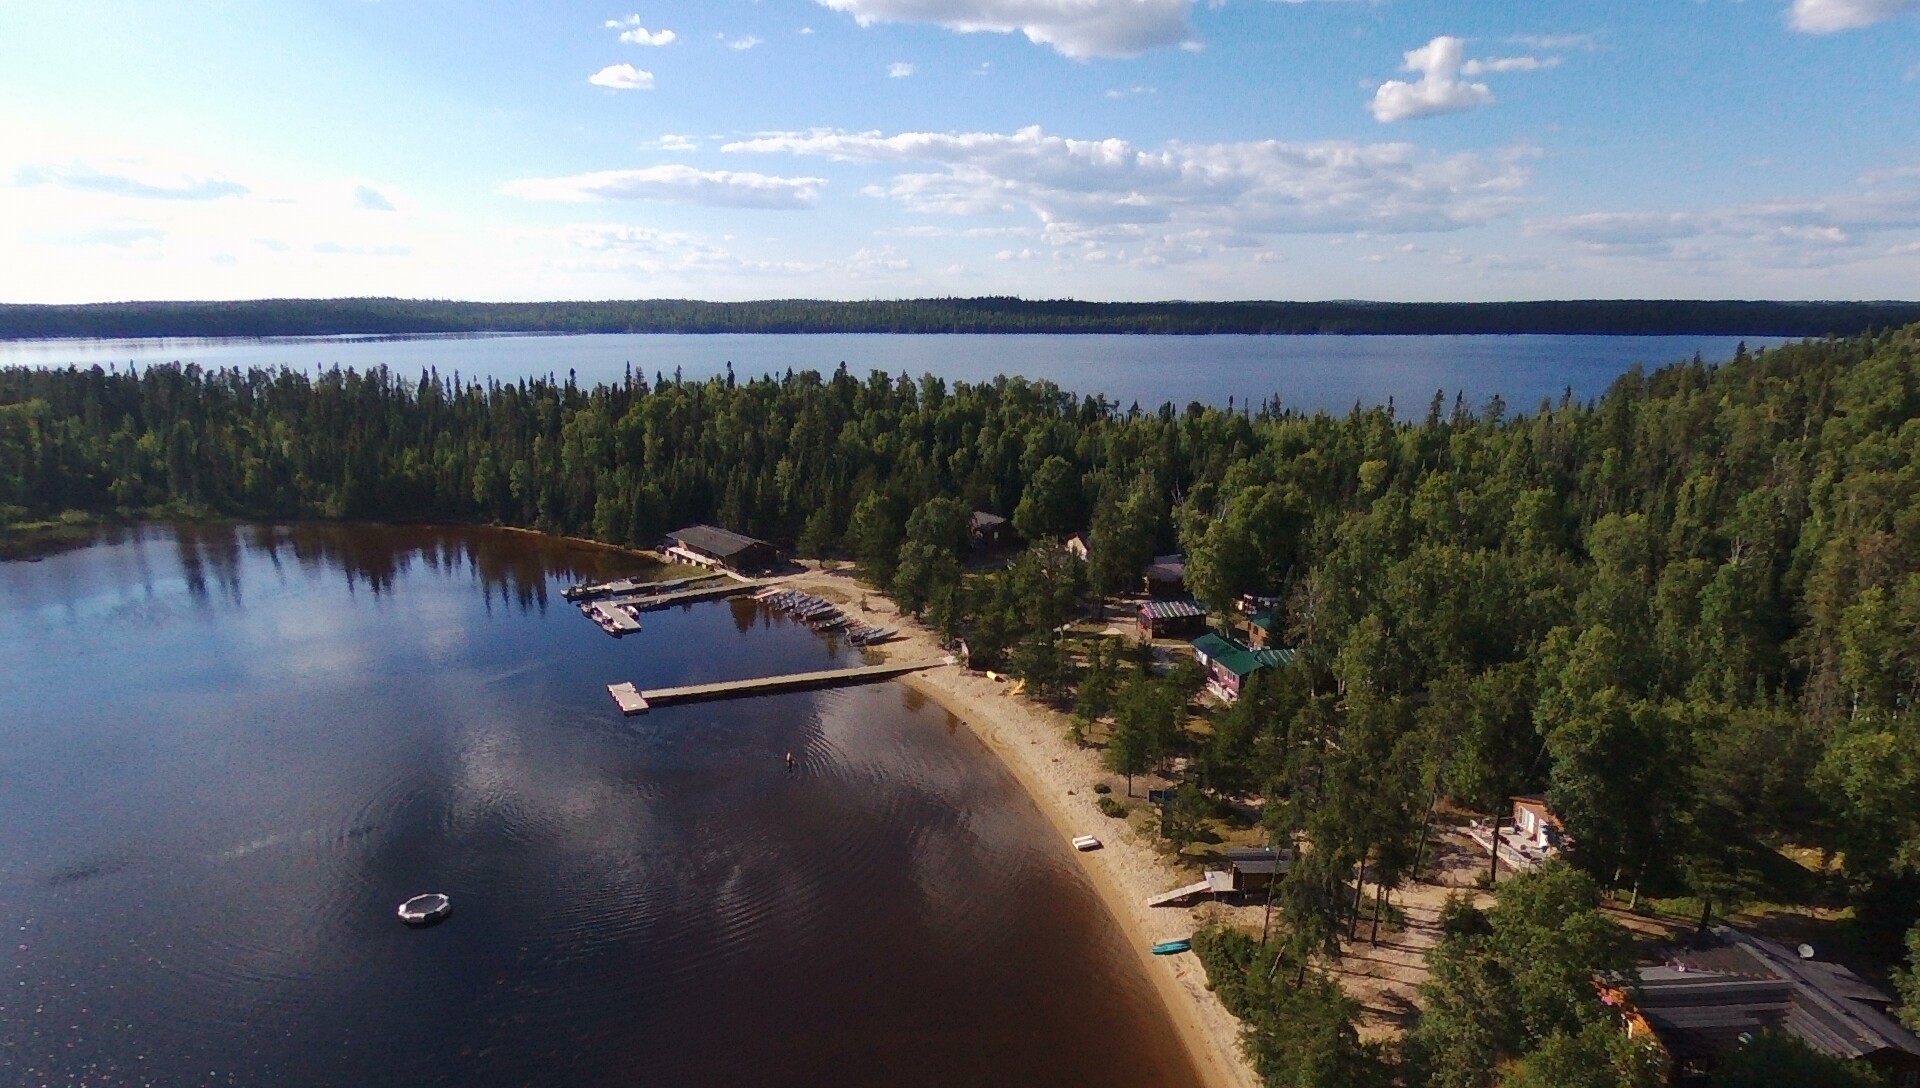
x=1313, y=373
x=226, y=754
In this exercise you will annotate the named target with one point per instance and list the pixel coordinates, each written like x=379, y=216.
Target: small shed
x=1228, y=663
x=708, y=546
x=1166, y=577
x=1260, y=630
x=986, y=530
x=1171, y=619
x=1077, y=547
x=1251, y=868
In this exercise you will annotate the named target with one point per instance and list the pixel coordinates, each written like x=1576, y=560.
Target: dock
x=628, y=697
x=652, y=602
x=634, y=701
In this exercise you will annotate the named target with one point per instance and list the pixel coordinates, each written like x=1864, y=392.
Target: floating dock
x=634, y=701
x=628, y=697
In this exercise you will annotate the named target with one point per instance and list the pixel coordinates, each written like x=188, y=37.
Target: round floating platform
x=423, y=910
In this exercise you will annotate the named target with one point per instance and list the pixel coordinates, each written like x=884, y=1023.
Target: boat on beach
x=1172, y=948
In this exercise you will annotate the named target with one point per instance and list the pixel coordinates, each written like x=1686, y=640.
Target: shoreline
x=1030, y=742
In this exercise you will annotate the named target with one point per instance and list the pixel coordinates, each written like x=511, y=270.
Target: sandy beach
x=1031, y=740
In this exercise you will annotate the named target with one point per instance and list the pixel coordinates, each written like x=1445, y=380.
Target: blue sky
x=1106, y=149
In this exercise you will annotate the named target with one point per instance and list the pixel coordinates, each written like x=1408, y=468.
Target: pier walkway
x=634, y=701
x=687, y=596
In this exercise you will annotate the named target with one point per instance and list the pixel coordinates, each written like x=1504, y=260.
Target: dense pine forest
x=1688, y=611
x=395, y=317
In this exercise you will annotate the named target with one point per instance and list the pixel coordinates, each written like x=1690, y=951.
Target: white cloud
x=1111, y=191
x=142, y=179
x=675, y=184
x=1074, y=28
x=746, y=43
x=673, y=142
x=633, y=33
x=1439, y=88
x=1508, y=64
x=899, y=70
x=1557, y=41
x=1129, y=92
x=622, y=77
x=1828, y=16
x=372, y=199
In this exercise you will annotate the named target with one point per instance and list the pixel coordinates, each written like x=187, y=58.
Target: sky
x=1096, y=149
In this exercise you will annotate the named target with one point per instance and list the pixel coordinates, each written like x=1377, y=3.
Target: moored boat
x=425, y=909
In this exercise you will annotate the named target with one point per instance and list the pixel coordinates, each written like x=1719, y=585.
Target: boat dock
x=652, y=602
x=634, y=701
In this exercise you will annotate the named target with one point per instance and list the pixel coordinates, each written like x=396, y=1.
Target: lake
x=1330, y=373
x=227, y=753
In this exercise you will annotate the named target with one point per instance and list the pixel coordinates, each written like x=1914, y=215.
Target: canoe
x=1170, y=948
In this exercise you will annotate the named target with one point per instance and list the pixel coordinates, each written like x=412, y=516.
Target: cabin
x=1260, y=630
x=1727, y=986
x=1228, y=663
x=1077, y=547
x=707, y=546
x=986, y=531
x=1251, y=869
x=1166, y=577
x=1171, y=619
x=1535, y=827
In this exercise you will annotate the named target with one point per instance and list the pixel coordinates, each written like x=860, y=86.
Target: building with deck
x=1228, y=663
x=1711, y=997
x=707, y=546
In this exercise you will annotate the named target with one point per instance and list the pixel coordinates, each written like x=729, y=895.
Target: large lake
x=226, y=754
x=1330, y=373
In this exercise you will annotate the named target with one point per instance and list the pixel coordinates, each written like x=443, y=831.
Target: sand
x=1031, y=740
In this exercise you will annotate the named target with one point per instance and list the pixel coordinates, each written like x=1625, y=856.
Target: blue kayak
x=1169, y=948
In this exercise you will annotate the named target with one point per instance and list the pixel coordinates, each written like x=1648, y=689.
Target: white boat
x=425, y=909
x=1086, y=842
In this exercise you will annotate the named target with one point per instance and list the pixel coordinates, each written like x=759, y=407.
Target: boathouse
x=1171, y=619
x=707, y=546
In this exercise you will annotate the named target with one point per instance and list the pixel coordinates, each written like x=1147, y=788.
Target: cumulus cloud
x=899, y=70
x=1075, y=28
x=1829, y=16
x=1439, y=88
x=371, y=199
x=746, y=43
x=1779, y=231
x=675, y=184
x=633, y=33
x=129, y=179
x=622, y=77
x=1110, y=191
x=673, y=142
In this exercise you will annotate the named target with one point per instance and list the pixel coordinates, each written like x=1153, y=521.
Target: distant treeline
x=394, y=316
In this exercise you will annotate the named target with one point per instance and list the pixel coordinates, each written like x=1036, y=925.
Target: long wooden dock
x=634, y=701
x=687, y=596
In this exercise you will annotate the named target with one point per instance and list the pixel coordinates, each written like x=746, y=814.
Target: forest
x=404, y=317
x=1688, y=611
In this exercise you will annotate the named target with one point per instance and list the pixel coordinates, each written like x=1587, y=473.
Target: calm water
x=1309, y=372
x=226, y=754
